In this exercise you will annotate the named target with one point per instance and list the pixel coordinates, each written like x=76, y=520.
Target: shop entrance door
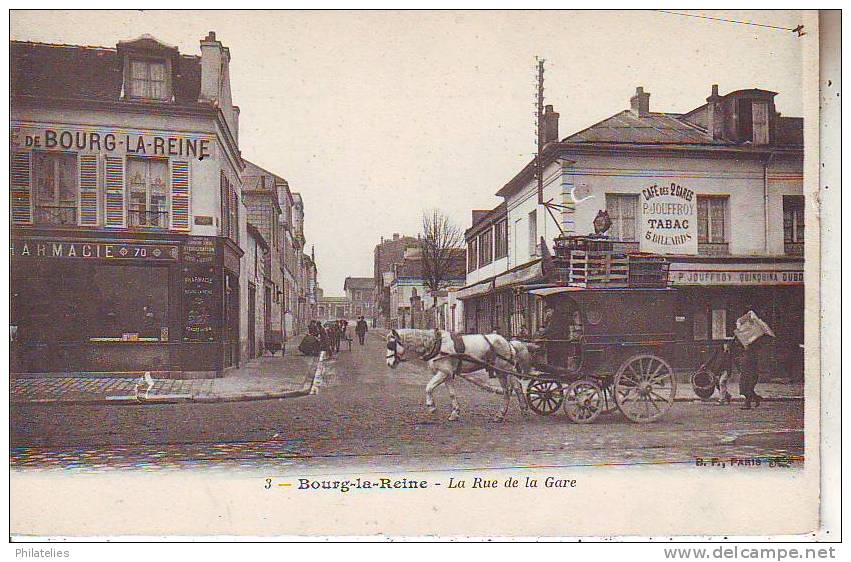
x=252, y=321
x=231, y=323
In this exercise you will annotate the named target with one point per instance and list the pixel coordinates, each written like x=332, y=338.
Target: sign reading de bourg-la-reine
x=111, y=141
x=669, y=220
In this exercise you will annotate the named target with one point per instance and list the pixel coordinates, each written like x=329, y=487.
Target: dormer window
x=148, y=79
x=753, y=121
x=149, y=66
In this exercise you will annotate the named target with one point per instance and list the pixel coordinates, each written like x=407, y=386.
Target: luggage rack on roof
x=592, y=262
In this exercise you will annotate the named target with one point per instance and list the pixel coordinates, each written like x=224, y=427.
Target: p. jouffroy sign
x=668, y=219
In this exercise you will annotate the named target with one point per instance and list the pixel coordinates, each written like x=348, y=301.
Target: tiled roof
x=86, y=73
x=654, y=128
x=358, y=283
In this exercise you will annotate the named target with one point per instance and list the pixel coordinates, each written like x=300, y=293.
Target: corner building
x=126, y=210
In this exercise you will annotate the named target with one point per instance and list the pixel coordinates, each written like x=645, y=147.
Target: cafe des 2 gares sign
x=111, y=141
x=669, y=220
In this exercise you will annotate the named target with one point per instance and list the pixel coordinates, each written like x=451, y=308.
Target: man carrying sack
x=751, y=332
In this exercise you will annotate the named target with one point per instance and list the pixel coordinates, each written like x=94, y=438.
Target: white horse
x=491, y=352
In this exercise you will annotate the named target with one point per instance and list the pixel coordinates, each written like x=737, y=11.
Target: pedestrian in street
x=361, y=330
x=753, y=335
x=324, y=339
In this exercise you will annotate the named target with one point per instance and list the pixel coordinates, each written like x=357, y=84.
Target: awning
x=475, y=290
x=524, y=274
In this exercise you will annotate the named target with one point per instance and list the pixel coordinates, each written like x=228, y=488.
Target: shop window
x=148, y=79
x=147, y=193
x=623, y=211
x=486, y=247
x=719, y=323
x=500, y=239
x=793, y=224
x=712, y=224
x=72, y=303
x=700, y=325
x=55, y=188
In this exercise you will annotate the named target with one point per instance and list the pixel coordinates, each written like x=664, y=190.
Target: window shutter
x=22, y=211
x=180, y=195
x=114, y=192
x=88, y=190
x=224, y=196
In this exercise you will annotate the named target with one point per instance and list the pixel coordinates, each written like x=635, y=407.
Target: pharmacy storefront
x=117, y=264
x=98, y=304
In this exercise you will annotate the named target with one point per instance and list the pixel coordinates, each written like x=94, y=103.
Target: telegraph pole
x=540, y=129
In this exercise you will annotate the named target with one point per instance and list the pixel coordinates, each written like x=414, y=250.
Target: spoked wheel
x=583, y=401
x=644, y=388
x=544, y=397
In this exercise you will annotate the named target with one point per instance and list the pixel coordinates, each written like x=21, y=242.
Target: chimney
x=550, y=125
x=212, y=58
x=640, y=102
x=236, y=123
x=714, y=114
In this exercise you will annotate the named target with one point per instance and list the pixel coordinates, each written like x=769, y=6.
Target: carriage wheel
x=644, y=388
x=544, y=397
x=583, y=401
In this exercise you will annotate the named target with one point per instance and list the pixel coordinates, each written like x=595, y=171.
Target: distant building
x=331, y=308
x=410, y=295
x=361, y=294
x=261, y=199
x=388, y=253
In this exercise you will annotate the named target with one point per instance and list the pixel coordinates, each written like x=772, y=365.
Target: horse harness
x=461, y=355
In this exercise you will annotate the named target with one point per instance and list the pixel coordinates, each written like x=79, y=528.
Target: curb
x=306, y=389
x=740, y=399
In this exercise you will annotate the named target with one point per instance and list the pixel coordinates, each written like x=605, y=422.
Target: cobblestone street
x=366, y=416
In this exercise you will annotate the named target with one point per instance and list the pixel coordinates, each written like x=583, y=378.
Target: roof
x=358, y=283
x=653, y=128
x=488, y=218
x=86, y=73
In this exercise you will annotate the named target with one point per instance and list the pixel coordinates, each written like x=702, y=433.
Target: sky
x=375, y=117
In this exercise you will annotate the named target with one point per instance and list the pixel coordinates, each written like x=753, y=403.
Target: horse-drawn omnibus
x=604, y=348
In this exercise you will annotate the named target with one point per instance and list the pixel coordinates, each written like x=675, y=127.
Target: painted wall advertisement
x=668, y=219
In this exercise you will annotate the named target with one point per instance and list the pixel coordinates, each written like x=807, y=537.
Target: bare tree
x=440, y=244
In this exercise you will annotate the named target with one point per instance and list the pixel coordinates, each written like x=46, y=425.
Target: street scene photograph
x=430, y=251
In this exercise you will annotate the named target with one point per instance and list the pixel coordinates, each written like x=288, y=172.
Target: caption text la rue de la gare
x=471, y=483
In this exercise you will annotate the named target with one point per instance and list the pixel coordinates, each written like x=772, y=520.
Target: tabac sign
x=668, y=219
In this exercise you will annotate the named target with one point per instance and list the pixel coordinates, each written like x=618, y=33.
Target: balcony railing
x=713, y=248
x=147, y=219
x=793, y=248
x=56, y=214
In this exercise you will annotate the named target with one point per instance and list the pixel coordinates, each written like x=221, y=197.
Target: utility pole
x=540, y=129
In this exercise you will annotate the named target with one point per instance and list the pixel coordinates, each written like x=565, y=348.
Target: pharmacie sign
x=668, y=219
x=57, y=249
x=110, y=141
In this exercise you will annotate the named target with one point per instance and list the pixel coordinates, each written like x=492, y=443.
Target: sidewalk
x=260, y=379
x=770, y=392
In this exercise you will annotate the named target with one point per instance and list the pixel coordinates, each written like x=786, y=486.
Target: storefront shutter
x=180, y=195
x=88, y=190
x=22, y=212
x=114, y=192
